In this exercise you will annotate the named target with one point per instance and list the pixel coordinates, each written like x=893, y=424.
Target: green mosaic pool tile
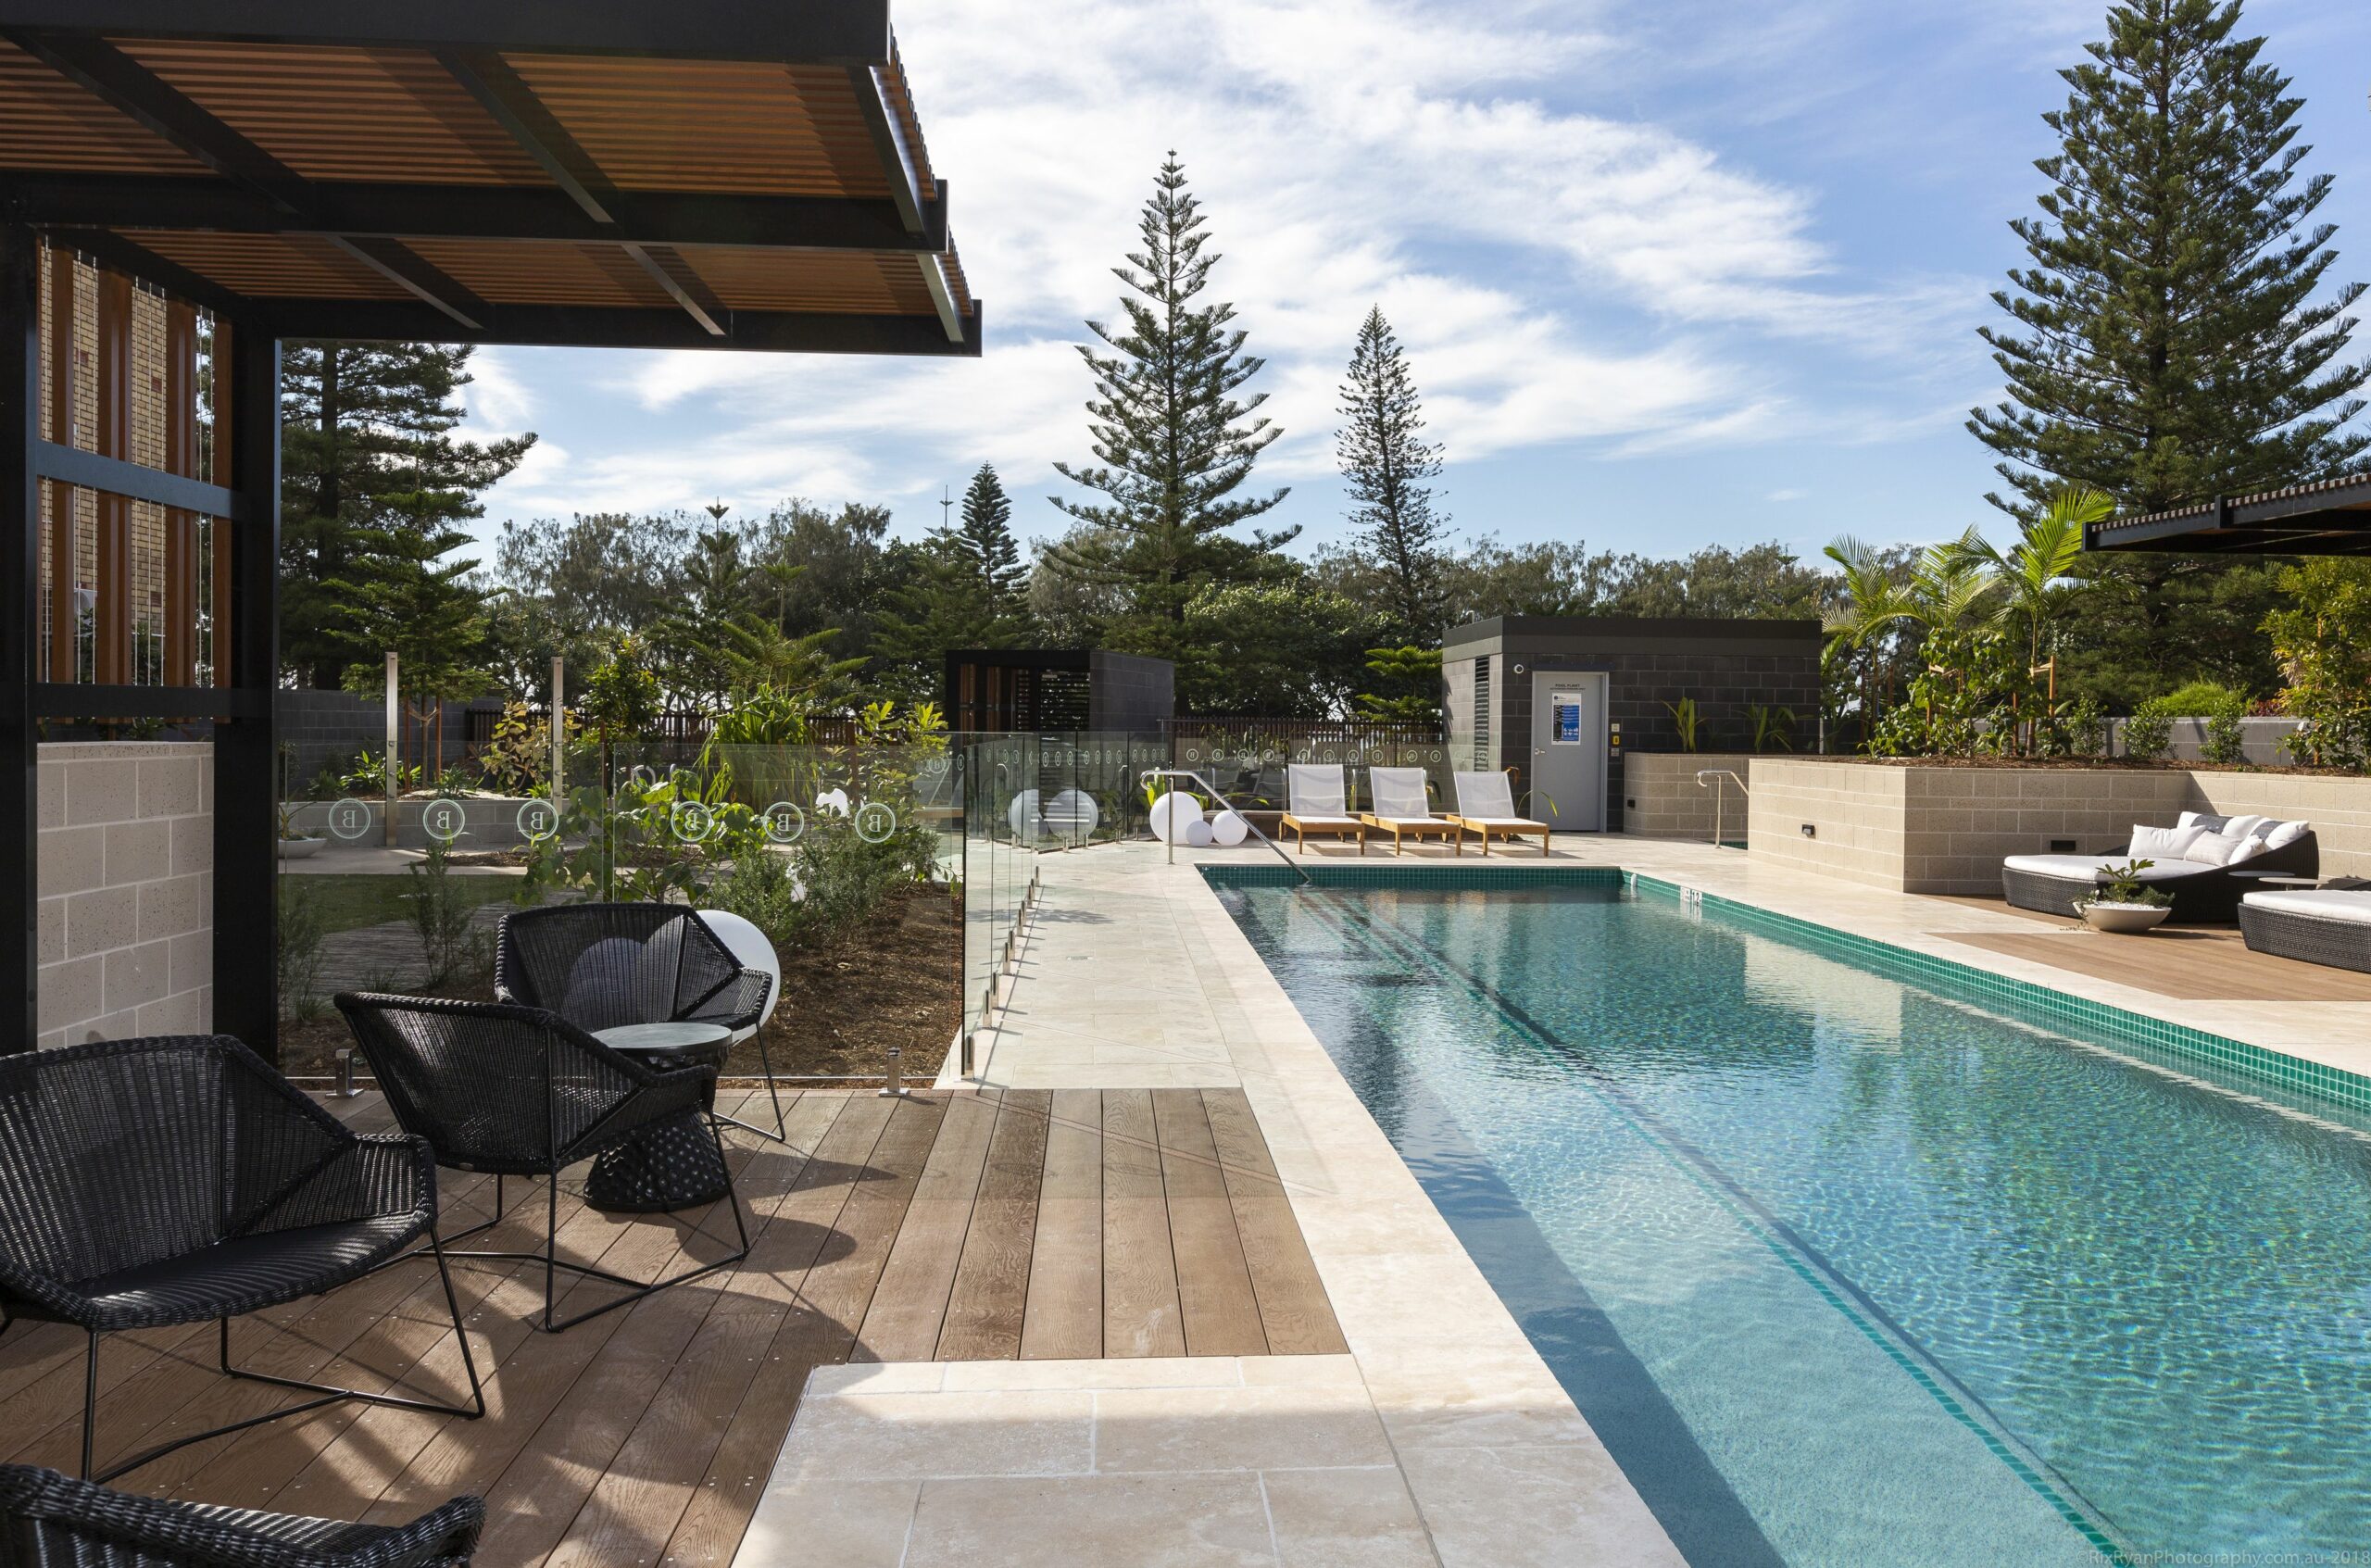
x=2170, y=1043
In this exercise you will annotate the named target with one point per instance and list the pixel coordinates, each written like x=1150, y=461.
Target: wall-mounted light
x=1811, y=830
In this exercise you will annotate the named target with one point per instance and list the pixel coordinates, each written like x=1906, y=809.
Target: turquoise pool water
x=1848, y=1271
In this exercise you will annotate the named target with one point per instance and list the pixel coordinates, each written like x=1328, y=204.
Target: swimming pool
x=1844, y=1268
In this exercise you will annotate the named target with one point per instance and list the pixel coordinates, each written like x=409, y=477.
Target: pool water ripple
x=1922, y=1284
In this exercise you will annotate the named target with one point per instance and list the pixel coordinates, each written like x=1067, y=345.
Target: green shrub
x=2226, y=740
x=2204, y=699
x=2149, y=733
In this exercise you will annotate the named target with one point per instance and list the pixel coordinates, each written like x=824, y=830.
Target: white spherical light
x=1198, y=833
x=1229, y=829
x=1171, y=814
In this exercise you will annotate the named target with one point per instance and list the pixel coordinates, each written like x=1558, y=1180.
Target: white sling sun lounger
x=1486, y=805
x=1403, y=808
x=1314, y=802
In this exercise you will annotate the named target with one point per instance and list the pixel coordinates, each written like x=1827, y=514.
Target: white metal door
x=1568, y=738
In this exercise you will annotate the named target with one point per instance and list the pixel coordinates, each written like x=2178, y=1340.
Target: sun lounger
x=2328, y=925
x=1403, y=809
x=1315, y=802
x=1486, y=805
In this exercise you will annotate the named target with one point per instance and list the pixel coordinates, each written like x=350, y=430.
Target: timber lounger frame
x=1316, y=802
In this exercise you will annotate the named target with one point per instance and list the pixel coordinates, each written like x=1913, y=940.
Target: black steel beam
x=115, y=477
x=822, y=31
x=20, y=622
x=505, y=97
x=246, y=864
x=466, y=212
x=132, y=89
x=889, y=144
x=62, y=699
x=772, y=331
x=415, y=277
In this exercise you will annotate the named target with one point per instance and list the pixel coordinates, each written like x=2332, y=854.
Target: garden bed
x=896, y=982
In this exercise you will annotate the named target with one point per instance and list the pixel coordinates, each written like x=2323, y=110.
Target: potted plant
x=295, y=843
x=2124, y=904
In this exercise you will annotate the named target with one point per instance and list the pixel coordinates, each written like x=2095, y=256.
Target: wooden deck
x=2185, y=962
x=987, y=1226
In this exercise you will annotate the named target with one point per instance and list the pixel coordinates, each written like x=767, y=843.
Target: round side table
x=669, y=1164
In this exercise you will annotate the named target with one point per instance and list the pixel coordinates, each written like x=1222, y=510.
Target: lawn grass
x=349, y=903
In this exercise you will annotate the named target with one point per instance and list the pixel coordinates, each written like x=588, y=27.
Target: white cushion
x=2334, y=903
x=2244, y=827
x=2221, y=849
x=2286, y=832
x=2164, y=844
x=2080, y=866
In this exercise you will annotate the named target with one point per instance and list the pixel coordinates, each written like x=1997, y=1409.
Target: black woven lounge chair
x=2294, y=927
x=601, y=966
x=157, y=1182
x=53, y=1521
x=516, y=1091
x=2207, y=895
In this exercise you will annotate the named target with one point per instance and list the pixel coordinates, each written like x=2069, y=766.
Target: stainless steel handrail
x=1720, y=795
x=1277, y=850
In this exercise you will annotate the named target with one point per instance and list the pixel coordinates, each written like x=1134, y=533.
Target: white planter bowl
x=300, y=848
x=2124, y=920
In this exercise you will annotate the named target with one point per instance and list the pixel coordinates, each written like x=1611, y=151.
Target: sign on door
x=1565, y=728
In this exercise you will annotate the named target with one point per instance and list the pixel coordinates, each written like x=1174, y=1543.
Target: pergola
x=2332, y=518
x=189, y=184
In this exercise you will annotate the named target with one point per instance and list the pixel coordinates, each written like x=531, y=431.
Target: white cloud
x=1779, y=497
x=1560, y=275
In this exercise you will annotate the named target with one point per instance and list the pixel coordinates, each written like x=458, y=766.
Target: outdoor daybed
x=2206, y=864
x=2326, y=925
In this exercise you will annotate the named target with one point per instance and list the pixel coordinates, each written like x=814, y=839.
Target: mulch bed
x=898, y=981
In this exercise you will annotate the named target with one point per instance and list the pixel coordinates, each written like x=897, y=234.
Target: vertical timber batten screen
x=130, y=594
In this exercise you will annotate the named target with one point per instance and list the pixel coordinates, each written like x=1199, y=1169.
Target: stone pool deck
x=1440, y=1437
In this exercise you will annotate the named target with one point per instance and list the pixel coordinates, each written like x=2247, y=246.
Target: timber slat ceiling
x=390, y=115
x=711, y=125
x=296, y=266
x=266, y=152
x=755, y=280
x=47, y=122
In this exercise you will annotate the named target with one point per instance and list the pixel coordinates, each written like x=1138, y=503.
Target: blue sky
x=1672, y=272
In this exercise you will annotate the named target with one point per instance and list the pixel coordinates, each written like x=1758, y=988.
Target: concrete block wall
x=126, y=869
x=321, y=729
x=1946, y=830
x=1662, y=799
x=1859, y=814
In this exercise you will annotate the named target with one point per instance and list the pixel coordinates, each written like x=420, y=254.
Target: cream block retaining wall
x=127, y=889
x=1662, y=799
x=1946, y=830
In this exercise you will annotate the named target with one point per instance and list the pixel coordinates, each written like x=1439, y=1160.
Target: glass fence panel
x=885, y=882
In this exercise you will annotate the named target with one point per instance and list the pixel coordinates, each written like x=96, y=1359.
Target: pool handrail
x=1170, y=840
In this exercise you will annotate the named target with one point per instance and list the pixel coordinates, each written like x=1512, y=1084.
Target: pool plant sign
x=2123, y=904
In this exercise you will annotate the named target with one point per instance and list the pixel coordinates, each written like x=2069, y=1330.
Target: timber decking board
x=1064, y=1317
x=1070, y=1223
x=2182, y=962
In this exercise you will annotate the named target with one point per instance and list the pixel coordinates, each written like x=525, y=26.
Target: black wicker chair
x=516, y=1091
x=603, y=965
x=158, y=1182
x=53, y=1521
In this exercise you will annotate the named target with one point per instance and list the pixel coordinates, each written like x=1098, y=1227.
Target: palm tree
x=2034, y=574
x=1873, y=603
